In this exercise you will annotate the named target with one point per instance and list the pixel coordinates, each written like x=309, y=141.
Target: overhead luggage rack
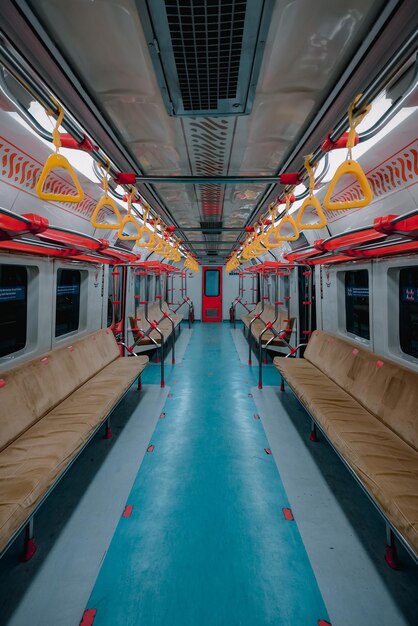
x=13, y=225
x=32, y=234
x=346, y=241
x=389, y=235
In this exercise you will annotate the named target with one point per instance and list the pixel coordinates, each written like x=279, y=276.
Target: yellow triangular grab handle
x=106, y=201
x=144, y=230
x=353, y=168
x=270, y=240
x=129, y=219
x=312, y=203
x=54, y=162
x=287, y=219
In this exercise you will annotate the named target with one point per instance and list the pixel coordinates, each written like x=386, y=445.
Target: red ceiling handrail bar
x=348, y=241
x=406, y=224
x=13, y=225
x=386, y=249
x=69, y=238
x=35, y=247
x=302, y=255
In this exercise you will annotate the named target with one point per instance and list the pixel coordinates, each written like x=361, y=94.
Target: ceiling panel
x=308, y=46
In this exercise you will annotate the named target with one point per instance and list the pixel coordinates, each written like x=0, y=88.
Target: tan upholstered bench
x=367, y=407
x=50, y=407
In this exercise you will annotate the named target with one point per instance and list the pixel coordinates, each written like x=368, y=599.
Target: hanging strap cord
x=354, y=121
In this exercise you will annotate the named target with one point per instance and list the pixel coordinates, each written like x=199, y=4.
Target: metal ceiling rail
x=40, y=92
x=208, y=180
x=394, y=108
x=400, y=57
x=216, y=229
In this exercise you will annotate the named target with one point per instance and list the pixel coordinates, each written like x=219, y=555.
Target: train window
x=357, y=318
x=67, y=317
x=408, y=310
x=212, y=283
x=13, y=308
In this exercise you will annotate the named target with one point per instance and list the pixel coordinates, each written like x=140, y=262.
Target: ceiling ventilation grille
x=207, y=42
x=215, y=227
x=206, y=53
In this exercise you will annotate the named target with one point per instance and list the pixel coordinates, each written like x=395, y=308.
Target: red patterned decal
x=23, y=171
x=400, y=170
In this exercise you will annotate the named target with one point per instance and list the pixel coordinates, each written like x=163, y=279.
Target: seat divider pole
x=314, y=435
x=391, y=553
x=29, y=544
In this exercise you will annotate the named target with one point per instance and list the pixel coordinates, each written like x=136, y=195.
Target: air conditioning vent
x=213, y=227
x=207, y=53
x=212, y=253
x=207, y=44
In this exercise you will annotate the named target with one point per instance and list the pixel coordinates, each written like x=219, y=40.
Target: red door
x=212, y=294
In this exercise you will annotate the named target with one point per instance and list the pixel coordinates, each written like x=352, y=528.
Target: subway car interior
x=208, y=312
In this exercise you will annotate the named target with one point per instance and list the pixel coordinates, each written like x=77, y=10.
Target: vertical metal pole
x=391, y=553
x=314, y=435
x=29, y=543
x=115, y=276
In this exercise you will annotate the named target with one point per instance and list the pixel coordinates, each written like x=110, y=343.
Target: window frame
x=38, y=318
x=393, y=342
x=84, y=301
x=60, y=271
x=341, y=304
x=26, y=312
x=217, y=295
x=400, y=301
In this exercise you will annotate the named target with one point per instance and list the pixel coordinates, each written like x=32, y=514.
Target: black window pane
x=68, y=302
x=212, y=283
x=13, y=308
x=357, y=303
x=408, y=310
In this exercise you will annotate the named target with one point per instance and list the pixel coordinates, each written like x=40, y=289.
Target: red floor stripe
x=288, y=515
x=267, y=450
x=88, y=617
x=150, y=448
x=128, y=510
x=323, y=622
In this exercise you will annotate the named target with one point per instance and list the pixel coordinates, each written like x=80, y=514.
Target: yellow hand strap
x=106, y=201
x=354, y=121
x=130, y=219
x=286, y=220
x=350, y=167
x=311, y=205
x=57, y=161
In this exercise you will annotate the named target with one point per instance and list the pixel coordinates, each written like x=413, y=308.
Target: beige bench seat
x=366, y=406
x=48, y=420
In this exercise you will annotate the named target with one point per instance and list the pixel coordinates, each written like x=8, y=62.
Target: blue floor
x=207, y=542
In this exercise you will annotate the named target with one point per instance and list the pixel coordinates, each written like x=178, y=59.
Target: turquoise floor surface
x=207, y=543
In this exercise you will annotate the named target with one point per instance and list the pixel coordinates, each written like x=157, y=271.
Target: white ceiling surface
x=308, y=46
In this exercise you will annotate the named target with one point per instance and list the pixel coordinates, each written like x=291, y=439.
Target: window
x=67, y=315
x=212, y=283
x=357, y=303
x=13, y=308
x=408, y=310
